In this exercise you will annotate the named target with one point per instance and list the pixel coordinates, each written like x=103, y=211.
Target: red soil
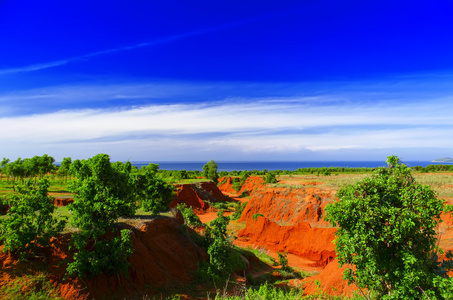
x=163, y=255
x=196, y=195
x=62, y=201
x=300, y=239
x=330, y=281
x=289, y=205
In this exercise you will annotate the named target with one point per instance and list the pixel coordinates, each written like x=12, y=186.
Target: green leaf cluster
x=103, y=193
x=210, y=171
x=153, y=193
x=30, y=221
x=190, y=218
x=387, y=233
x=218, y=249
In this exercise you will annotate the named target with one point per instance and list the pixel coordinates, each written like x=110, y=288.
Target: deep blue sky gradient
x=380, y=72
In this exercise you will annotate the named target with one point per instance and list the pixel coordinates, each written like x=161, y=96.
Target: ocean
x=275, y=165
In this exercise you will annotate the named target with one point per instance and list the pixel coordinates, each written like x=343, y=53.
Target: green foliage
x=386, y=230
x=239, y=209
x=216, y=232
x=30, y=222
x=34, y=287
x=103, y=256
x=256, y=216
x=210, y=171
x=102, y=193
x=270, y=178
x=265, y=292
x=190, y=218
x=65, y=166
x=237, y=184
x=283, y=261
x=153, y=193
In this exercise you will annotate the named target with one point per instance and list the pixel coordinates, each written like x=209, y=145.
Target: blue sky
x=227, y=80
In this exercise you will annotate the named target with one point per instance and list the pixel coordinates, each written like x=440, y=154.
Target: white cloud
x=277, y=127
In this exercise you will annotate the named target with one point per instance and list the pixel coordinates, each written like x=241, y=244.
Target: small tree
x=65, y=166
x=386, y=234
x=153, y=193
x=210, y=171
x=216, y=232
x=102, y=194
x=30, y=222
x=270, y=178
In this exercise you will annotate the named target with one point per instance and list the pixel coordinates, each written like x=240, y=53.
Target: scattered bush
x=29, y=223
x=190, y=218
x=270, y=178
x=239, y=209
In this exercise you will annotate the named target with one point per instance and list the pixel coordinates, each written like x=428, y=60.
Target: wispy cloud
x=253, y=128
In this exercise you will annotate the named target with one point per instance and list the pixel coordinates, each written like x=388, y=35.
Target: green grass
x=26, y=285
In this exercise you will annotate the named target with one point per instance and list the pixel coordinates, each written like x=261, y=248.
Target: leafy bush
x=210, y=171
x=237, y=184
x=256, y=216
x=239, y=209
x=30, y=222
x=216, y=233
x=102, y=194
x=270, y=178
x=265, y=292
x=190, y=218
x=283, y=261
x=153, y=193
x=106, y=256
x=387, y=232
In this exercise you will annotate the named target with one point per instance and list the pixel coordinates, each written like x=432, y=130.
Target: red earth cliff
x=300, y=239
x=198, y=195
x=163, y=254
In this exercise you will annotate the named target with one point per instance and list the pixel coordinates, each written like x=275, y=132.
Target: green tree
x=65, y=167
x=386, y=234
x=270, y=178
x=210, y=171
x=218, y=249
x=153, y=193
x=30, y=222
x=190, y=218
x=3, y=165
x=102, y=194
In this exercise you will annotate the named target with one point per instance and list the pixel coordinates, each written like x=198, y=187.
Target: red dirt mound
x=251, y=184
x=331, y=282
x=226, y=185
x=289, y=205
x=62, y=201
x=163, y=254
x=195, y=195
x=300, y=239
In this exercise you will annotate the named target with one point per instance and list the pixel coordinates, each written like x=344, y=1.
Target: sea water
x=275, y=165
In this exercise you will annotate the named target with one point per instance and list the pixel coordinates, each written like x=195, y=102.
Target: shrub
x=237, y=185
x=153, y=193
x=270, y=178
x=387, y=232
x=29, y=223
x=210, y=171
x=102, y=194
x=216, y=233
x=239, y=209
x=190, y=218
x=283, y=261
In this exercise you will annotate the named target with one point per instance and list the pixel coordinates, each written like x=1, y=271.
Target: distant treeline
x=38, y=166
